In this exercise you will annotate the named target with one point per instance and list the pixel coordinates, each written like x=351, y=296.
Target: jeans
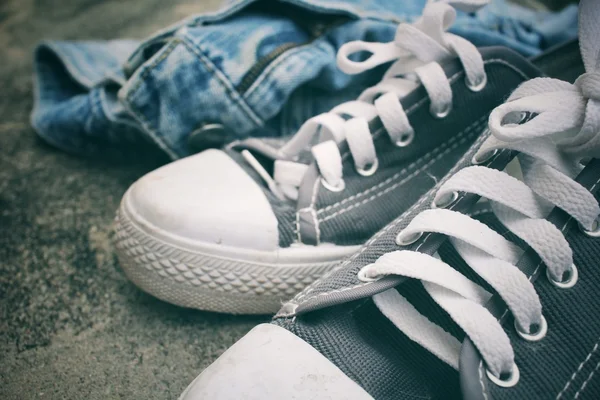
x=256, y=68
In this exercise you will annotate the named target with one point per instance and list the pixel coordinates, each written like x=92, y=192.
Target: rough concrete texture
x=71, y=325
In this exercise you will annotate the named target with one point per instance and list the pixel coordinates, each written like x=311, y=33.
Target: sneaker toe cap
x=272, y=363
x=207, y=197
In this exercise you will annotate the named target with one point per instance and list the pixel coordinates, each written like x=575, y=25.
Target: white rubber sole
x=212, y=277
x=272, y=363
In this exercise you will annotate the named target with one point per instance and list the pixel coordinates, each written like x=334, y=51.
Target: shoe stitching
x=395, y=185
x=473, y=126
x=537, y=268
x=302, y=296
x=311, y=210
x=452, y=79
x=578, y=370
x=298, y=235
x=316, y=225
x=562, y=229
x=589, y=378
x=313, y=201
x=483, y=387
x=506, y=311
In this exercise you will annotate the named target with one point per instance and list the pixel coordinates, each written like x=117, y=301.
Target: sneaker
x=242, y=229
x=486, y=288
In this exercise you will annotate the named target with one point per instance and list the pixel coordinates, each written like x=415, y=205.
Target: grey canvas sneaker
x=486, y=288
x=242, y=229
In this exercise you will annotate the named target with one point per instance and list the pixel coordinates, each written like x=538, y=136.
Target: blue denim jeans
x=253, y=68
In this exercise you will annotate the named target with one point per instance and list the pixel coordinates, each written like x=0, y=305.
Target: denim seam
x=134, y=90
x=271, y=68
x=168, y=32
x=225, y=82
x=112, y=118
x=95, y=103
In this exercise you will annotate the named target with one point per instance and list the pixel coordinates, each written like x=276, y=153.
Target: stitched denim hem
x=157, y=92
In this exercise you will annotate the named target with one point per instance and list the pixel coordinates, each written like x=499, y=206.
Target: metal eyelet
x=477, y=87
x=507, y=381
x=370, y=169
x=569, y=282
x=523, y=118
x=341, y=186
x=443, y=113
x=362, y=275
x=485, y=158
x=538, y=335
x=408, y=240
x=405, y=140
x=595, y=232
x=445, y=201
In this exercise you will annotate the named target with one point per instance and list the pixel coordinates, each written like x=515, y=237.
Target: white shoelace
x=416, y=52
x=565, y=128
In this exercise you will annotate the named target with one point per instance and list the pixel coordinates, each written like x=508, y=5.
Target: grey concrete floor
x=71, y=325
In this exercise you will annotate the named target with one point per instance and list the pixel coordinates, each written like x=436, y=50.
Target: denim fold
x=253, y=68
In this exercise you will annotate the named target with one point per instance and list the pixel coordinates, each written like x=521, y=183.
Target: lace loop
x=551, y=144
x=414, y=53
x=589, y=85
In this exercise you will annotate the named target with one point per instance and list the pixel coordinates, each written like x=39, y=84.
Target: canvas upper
x=244, y=228
x=352, y=320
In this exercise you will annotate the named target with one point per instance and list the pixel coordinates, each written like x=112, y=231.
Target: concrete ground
x=71, y=325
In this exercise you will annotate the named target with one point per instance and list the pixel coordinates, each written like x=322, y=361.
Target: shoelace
x=564, y=129
x=416, y=51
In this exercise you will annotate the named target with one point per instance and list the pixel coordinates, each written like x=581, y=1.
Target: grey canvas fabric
x=404, y=174
x=367, y=347
x=337, y=316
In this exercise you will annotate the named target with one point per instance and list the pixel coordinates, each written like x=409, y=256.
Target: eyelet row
x=508, y=381
x=484, y=158
x=539, y=334
x=369, y=169
x=594, y=232
x=478, y=86
x=408, y=138
x=542, y=329
x=366, y=171
x=334, y=188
